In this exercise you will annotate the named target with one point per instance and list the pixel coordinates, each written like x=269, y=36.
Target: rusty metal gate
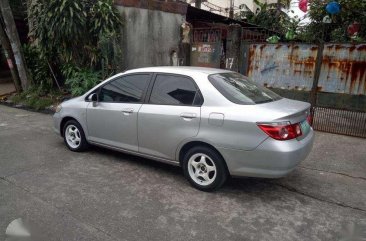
x=332, y=77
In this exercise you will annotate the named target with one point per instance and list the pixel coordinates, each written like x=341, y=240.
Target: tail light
x=281, y=130
x=309, y=119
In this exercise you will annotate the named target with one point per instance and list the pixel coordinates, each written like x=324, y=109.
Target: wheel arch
x=64, y=121
x=187, y=146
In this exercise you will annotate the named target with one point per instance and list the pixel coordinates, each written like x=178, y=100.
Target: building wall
x=225, y=4
x=150, y=36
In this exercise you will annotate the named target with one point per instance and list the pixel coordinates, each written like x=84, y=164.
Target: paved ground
x=104, y=195
x=6, y=88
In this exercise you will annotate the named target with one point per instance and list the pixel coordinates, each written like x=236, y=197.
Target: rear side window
x=240, y=90
x=175, y=90
x=126, y=89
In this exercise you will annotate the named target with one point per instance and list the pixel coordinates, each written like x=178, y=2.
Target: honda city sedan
x=213, y=123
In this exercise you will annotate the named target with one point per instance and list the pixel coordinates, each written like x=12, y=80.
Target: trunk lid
x=284, y=110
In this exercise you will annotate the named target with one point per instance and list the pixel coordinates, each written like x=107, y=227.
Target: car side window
x=175, y=90
x=125, y=89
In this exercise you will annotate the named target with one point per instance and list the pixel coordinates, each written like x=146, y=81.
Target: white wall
x=226, y=4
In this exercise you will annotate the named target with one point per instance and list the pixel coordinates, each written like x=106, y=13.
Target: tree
x=71, y=30
x=12, y=33
x=351, y=11
x=271, y=16
x=282, y=4
x=76, y=39
x=9, y=57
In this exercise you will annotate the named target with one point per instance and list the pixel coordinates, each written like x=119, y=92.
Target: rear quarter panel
x=238, y=129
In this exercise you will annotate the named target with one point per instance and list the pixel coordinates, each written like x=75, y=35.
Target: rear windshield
x=240, y=90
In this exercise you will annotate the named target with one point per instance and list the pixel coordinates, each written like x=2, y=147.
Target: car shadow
x=137, y=160
x=233, y=184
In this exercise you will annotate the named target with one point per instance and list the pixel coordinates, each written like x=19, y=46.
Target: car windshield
x=240, y=90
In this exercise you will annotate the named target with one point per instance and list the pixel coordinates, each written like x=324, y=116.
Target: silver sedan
x=211, y=122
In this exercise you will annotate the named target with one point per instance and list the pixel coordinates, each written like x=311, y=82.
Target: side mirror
x=93, y=98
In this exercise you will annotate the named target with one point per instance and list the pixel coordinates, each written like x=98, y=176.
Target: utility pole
x=318, y=66
x=231, y=9
x=12, y=33
x=4, y=41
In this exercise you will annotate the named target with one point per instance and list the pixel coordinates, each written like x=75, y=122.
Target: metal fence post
x=314, y=89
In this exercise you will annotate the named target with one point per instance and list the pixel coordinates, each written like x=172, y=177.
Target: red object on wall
x=353, y=28
x=303, y=5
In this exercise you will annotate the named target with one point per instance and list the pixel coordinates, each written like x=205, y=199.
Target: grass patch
x=35, y=100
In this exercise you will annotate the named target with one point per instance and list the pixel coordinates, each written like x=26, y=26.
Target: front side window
x=175, y=90
x=126, y=89
x=240, y=90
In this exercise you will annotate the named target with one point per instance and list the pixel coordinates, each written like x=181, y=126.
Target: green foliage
x=78, y=38
x=35, y=99
x=38, y=68
x=111, y=54
x=70, y=30
x=271, y=16
x=80, y=80
x=352, y=10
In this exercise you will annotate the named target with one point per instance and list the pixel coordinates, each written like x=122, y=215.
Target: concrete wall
x=149, y=36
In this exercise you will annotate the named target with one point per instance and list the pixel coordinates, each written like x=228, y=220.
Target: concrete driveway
x=105, y=195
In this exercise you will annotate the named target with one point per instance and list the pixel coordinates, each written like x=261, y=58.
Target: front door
x=113, y=119
x=171, y=115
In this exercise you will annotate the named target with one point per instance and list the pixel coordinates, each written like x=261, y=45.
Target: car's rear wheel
x=204, y=168
x=74, y=136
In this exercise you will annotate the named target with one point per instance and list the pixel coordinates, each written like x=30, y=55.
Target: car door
x=171, y=115
x=113, y=119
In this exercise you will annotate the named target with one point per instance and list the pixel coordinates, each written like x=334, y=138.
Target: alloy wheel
x=202, y=169
x=73, y=137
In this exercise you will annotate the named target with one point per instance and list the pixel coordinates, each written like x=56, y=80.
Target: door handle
x=188, y=115
x=127, y=111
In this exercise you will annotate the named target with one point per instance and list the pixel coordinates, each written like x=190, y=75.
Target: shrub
x=38, y=68
x=70, y=30
x=34, y=99
x=80, y=80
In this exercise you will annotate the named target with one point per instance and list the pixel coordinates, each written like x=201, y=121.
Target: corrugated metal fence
x=340, y=106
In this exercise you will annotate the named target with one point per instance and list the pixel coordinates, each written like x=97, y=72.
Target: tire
x=204, y=168
x=74, y=136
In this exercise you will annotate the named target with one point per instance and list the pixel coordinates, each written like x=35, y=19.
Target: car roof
x=185, y=70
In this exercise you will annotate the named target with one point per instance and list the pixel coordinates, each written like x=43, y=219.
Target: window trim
x=144, y=92
x=152, y=84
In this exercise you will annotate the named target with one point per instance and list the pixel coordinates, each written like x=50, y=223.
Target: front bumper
x=57, y=123
x=271, y=159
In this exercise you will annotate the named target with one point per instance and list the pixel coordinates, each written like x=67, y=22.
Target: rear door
x=171, y=114
x=113, y=120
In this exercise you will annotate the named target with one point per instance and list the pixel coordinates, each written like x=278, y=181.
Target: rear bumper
x=271, y=159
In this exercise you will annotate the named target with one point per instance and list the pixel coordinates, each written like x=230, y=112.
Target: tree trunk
x=13, y=36
x=10, y=58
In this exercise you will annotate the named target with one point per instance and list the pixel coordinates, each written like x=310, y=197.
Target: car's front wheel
x=204, y=168
x=74, y=136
